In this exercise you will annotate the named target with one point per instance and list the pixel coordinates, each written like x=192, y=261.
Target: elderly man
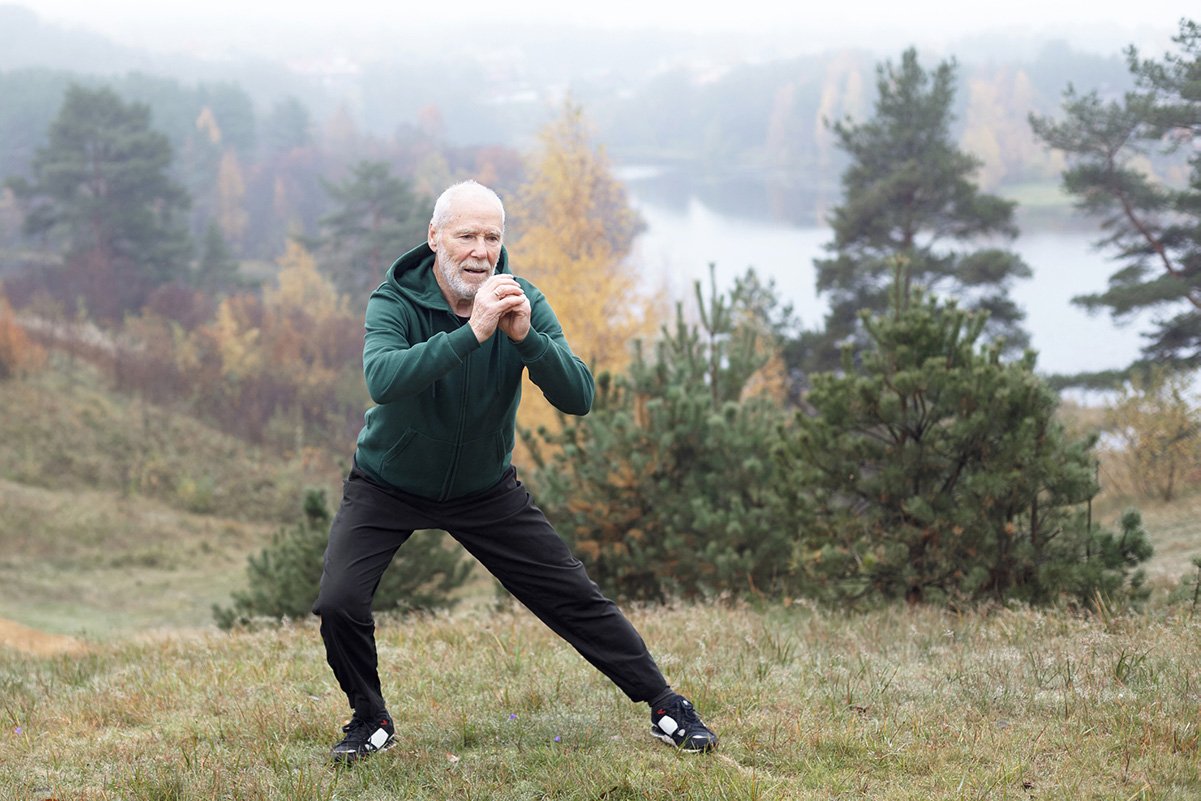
x=448, y=336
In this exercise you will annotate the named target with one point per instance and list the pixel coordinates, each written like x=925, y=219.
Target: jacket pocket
x=393, y=453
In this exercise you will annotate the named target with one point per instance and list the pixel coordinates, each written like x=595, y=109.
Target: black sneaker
x=676, y=723
x=364, y=737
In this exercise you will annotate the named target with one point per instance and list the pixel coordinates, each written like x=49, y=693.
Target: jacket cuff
x=463, y=341
x=533, y=347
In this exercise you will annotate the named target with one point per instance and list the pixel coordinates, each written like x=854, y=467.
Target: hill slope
x=120, y=516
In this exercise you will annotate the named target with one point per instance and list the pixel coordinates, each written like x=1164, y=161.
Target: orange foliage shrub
x=18, y=355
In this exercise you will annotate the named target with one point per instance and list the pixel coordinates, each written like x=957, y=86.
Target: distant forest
x=257, y=144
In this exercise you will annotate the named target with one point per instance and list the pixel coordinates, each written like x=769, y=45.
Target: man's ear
x=432, y=238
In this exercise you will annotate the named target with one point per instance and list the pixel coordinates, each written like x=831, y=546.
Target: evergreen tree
x=101, y=187
x=665, y=488
x=1120, y=154
x=289, y=126
x=217, y=271
x=376, y=218
x=910, y=201
x=283, y=579
x=934, y=471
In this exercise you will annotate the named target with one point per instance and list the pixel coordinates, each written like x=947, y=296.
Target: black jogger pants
x=509, y=535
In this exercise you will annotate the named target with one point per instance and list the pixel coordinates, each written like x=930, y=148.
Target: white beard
x=460, y=286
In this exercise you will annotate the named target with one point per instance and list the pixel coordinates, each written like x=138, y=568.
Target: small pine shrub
x=283, y=579
x=666, y=488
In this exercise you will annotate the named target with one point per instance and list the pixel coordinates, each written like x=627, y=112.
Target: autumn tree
x=1155, y=424
x=1135, y=162
x=231, y=192
x=574, y=229
x=101, y=188
x=284, y=367
x=910, y=201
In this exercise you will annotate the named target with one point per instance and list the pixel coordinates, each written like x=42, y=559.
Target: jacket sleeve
x=561, y=375
x=394, y=365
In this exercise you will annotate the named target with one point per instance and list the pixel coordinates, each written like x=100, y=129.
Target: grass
x=92, y=563
x=896, y=704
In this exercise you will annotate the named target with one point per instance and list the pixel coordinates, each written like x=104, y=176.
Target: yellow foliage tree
x=574, y=229
x=236, y=341
x=309, y=325
x=1156, y=425
x=231, y=191
x=284, y=367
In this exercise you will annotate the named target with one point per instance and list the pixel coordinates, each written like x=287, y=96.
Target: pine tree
x=1119, y=152
x=909, y=200
x=376, y=218
x=101, y=187
x=932, y=470
x=665, y=488
x=217, y=271
x=288, y=127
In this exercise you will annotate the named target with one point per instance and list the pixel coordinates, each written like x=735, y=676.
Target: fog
x=359, y=29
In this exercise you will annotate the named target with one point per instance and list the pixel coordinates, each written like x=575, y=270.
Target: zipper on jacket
x=451, y=474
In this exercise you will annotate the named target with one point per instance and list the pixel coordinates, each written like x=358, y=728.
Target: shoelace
x=688, y=718
x=356, y=731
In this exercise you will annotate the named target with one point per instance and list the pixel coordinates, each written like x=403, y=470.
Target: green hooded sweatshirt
x=446, y=405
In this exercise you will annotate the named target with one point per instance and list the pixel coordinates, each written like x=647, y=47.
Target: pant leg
x=369, y=527
x=512, y=538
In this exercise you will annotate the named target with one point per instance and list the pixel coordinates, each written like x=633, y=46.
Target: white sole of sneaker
x=666, y=739
x=350, y=757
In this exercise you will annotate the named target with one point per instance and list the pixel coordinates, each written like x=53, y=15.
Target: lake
x=686, y=231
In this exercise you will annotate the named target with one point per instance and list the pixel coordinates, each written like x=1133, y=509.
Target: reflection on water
x=736, y=225
x=750, y=195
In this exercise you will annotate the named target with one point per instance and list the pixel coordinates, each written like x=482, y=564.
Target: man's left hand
x=516, y=323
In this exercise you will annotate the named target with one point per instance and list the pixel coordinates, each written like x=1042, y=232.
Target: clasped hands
x=500, y=303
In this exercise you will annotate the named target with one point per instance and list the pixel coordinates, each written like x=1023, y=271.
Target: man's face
x=467, y=246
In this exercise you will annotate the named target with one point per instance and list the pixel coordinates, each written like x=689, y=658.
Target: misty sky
x=303, y=24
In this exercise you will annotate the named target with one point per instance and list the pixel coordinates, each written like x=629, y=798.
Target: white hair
x=442, y=207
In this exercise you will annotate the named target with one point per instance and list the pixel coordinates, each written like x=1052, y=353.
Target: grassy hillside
x=63, y=430
x=898, y=704
x=119, y=516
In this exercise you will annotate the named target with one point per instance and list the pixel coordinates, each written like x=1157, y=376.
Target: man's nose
x=479, y=246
